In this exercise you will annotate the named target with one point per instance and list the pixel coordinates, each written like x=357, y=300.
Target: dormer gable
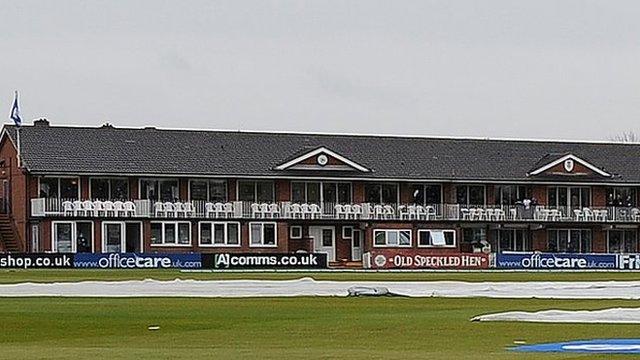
x=566, y=165
x=323, y=159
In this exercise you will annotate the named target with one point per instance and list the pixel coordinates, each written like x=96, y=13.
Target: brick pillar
x=358, y=192
x=283, y=190
x=405, y=193
x=599, y=240
x=133, y=188
x=491, y=194
x=598, y=196
x=231, y=190
x=539, y=240
x=183, y=189
x=539, y=192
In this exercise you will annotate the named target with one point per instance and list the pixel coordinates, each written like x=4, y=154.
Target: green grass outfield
x=14, y=276
x=287, y=328
x=283, y=328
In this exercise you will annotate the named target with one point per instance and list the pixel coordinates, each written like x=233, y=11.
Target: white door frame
x=123, y=234
x=353, y=238
x=316, y=233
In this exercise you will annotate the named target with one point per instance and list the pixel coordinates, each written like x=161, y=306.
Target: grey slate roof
x=108, y=150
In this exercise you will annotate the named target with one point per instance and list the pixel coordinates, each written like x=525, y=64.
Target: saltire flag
x=15, y=112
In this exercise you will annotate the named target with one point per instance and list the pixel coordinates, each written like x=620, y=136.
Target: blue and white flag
x=15, y=112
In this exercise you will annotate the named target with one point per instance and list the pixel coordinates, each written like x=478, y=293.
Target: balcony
x=42, y=207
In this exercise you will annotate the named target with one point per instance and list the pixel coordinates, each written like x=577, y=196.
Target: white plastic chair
x=89, y=208
x=264, y=209
x=119, y=208
x=228, y=210
x=348, y=211
x=389, y=212
x=129, y=208
x=98, y=208
x=590, y=214
x=209, y=210
x=274, y=210
x=188, y=209
x=77, y=208
x=340, y=213
x=109, y=207
x=296, y=210
x=255, y=211
x=315, y=211
x=306, y=211
x=158, y=209
x=68, y=208
x=356, y=210
x=169, y=209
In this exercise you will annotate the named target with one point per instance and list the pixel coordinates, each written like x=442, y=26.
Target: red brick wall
x=598, y=196
x=358, y=191
x=283, y=190
x=18, y=183
x=539, y=240
x=540, y=193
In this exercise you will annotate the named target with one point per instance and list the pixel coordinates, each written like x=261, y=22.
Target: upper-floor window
x=470, y=194
x=109, y=188
x=316, y=192
x=60, y=187
x=208, y=190
x=511, y=194
x=159, y=189
x=426, y=194
x=569, y=196
x=256, y=191
x=621, y=196
x=381, y=193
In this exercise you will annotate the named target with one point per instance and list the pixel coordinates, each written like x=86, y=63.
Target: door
x=324, y=240
x=356, y=245
x=121, y=237
x=112, y=236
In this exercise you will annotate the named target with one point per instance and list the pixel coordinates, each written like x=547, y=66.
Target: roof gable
x=566, y=165
x=321, y=159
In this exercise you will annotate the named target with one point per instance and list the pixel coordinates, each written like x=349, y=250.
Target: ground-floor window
x=171, y=233
x=72, y=236
x=392, y=238
x=569, y=240
x=622, y=241
x=513, y=240
x=219, y=234
x=263, y=234
x=436, y=238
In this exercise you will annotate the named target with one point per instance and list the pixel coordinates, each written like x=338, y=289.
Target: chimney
x=41, y=122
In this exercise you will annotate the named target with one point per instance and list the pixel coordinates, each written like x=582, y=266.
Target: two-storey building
x=109, y=189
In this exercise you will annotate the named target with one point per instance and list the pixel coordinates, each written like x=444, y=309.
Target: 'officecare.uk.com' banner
x=555, y=261
x=137, y=261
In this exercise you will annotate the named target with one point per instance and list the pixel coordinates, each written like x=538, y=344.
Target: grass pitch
x=283, y=328
x=287, y=328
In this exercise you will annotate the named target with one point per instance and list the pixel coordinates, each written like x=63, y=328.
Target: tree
x=626, y=137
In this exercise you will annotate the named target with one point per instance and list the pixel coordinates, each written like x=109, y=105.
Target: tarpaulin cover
x=310, y=287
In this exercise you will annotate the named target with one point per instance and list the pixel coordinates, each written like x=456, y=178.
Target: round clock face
x=322, y=160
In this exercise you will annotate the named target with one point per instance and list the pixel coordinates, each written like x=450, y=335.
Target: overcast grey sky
x=532, y=69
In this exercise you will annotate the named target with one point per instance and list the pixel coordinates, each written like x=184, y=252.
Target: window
x=422, y=194
x=511, y=194
x=347, y=232
x=208, y=190
x=621, y=196
x=219, y=234
x=622, y=241
x=381, y=193
x=470, y=195
x=60, y=188
x=513, y=240
x=569, y=241
x=295, y=232
x=436, y=238
x=316, y=192
x=262, y=235
x=474, y=235
x=256, y=191
x=159, y=190
x=69, y=236
x=573, y=197
x=392, y=238
x=109, y=189
x=171, y=233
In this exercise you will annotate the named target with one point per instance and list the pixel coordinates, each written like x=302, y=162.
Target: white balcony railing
x=41, y=207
